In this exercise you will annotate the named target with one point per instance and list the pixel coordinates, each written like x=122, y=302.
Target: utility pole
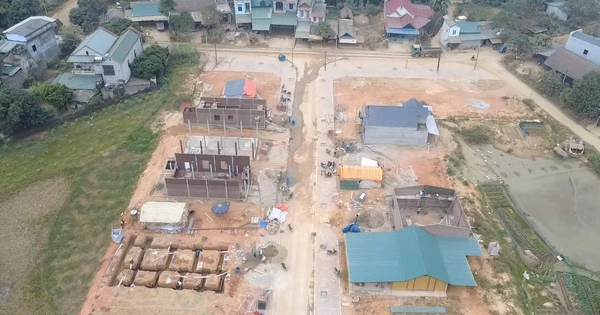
x=438, y=66
x=215, y=54
x=406, y=64
x=325, y=65
x=477, y=58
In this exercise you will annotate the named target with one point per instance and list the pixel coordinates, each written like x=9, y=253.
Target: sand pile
x=372, y=218
x=155, y=259
x=208, y=262
x=133, y=258
x=212, y=283
x=168, y=279
x=183, y=260
x=193, y=281
x=145, y=278
x=125, y=277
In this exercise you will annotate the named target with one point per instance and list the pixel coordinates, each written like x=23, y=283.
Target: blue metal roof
x=469, y=27
x=145, y=9
x=402, y=31
x=408, y=254
x=234, y=88
x=418, y=310
x=395, y=116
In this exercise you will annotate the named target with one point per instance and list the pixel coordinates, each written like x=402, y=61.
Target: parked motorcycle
x=290, y=227
x=331, y=251
x=336, y=271
x=329, y=165
x=284, y=266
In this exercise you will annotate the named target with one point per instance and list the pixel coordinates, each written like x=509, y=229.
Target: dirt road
x=63, y=12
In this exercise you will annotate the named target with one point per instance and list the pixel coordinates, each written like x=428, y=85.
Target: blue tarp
x=352, y=228
x=263, y=224
x=117, y=235
x=220, y=208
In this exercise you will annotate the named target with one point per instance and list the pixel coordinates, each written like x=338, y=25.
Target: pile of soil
x=125, y=277
x=183, y=260
x=212, y=283
x=140, y=241
x=155, y=259
x=145, y=278
x=373, y=219
x=168, y=279
x=162, y=242
x=209, y=260
x=270, y=251
x=133, y=255
x=193, y=281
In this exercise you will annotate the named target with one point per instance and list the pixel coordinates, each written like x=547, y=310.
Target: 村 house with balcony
x=404, y=20
x=106, y=56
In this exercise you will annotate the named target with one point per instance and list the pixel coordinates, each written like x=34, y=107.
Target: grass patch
x=593, y=157
x=102, y=156
x=475, y=135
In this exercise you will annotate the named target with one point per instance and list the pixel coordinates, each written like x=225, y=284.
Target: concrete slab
x=227, y=145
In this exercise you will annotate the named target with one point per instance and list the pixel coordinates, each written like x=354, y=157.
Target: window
x=230, y=117
x=34, y=48
x=134, y=54
x=108, y=70
x=291, y=6
x=239, y=8
x=205, y=165
x=224, y=166
x=278, y=6
x=217, y=117
x=453, y=32
x=585, y=51
x=247, y=6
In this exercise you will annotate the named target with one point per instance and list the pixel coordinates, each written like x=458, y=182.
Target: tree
x=211, y=17
x=182, y=22
x=583, y=97
x=583, y=11
x=88, y=13
x=439, y=5
x=549, y=83
x=324, y=30
x=520, y=45
x=166, y=6
x=21, y=9
x=151, y=63
x=57, y=95
x=19, y=110
x=71, y=38
x=117, y=26
x=540, y=41
x=517, y=16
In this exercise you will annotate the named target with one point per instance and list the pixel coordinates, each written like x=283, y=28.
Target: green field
x=101, y=156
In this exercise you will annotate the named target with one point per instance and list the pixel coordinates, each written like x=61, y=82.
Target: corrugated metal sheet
x=124, y=45
x=432, y=126
x=418, y=310
x=359, y=173
x=395, y=116
x=408, y=254
x=349, y=184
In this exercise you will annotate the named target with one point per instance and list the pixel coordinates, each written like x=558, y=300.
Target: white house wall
x=578, y=47
x=47, y=49
x=122, y=70
x=390, y=135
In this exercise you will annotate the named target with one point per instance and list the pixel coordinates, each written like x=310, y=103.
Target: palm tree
x=439, y=5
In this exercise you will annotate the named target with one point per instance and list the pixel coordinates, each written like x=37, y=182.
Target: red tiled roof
x=420, y=14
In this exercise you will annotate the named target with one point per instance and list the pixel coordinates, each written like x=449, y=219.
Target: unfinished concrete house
x=434, y=209
x=410, y=124
x=249, y=113
x=209, y=176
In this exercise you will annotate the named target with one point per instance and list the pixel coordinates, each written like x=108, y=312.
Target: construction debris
x=576, y=146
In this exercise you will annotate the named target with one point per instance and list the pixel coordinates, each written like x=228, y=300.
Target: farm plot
x=582, y=293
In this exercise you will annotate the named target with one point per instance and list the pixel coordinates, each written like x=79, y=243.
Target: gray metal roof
x=123, y=45
x=469, y=27
x=418, y=310
x=408, y=254
x=99, y=42
x=234, y=88
x=29, y=26
x=586, y=38
x=395, y=116
x=570, y=64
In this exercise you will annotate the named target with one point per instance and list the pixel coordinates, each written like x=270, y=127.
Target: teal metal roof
x=123, y=46
x=261, y=3
x=287, y=19
x=418, y=310
x=408, y=254
x=78, y=81
x=261, y=13
x=261, y=25
x=97, y=43
x=145, y=9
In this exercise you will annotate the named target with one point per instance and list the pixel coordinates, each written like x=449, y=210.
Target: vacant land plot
x=95, y=161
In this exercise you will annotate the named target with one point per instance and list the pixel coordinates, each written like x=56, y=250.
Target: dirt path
x=493, y=65
x=63, y=12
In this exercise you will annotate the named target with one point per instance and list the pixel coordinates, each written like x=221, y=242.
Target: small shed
x=168, y=217
x=242, y=88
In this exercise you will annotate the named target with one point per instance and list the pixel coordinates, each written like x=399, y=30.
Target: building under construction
x=243, y=113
